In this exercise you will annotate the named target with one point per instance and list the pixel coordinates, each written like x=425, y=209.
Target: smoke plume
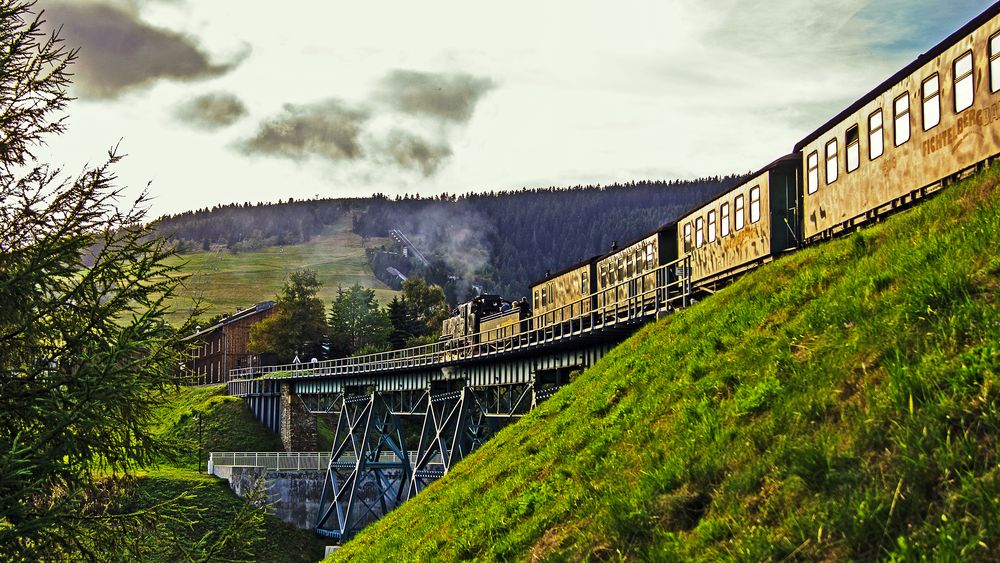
x=447, y=97
x=119, y=52
x=212, y=111
x=411, y=152
x=327, y=129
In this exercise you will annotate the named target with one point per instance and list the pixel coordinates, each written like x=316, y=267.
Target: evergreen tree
x=427, y=304
x=357, y=325
x=404, y=322
x=86, y=353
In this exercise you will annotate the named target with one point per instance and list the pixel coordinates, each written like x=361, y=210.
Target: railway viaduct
x=405, y=417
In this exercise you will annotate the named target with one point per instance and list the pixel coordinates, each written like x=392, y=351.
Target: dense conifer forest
x=499, y=241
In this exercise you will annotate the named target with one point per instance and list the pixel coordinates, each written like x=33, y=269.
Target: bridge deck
x=597, y=324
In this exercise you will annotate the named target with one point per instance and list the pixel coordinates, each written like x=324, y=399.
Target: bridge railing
x=634, y=300
x=289, y=461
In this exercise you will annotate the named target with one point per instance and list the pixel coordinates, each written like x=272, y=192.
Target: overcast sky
x=220, y=101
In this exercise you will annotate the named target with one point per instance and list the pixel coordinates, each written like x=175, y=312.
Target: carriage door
x=786, y=230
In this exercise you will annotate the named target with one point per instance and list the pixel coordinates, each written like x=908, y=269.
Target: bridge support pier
x=298, y=425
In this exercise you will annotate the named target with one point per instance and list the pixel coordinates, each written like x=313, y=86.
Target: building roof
x=240, y=315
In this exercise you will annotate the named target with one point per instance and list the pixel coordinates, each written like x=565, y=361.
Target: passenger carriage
x=934, y=120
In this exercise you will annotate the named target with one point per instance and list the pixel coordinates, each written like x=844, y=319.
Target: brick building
x=222, y=347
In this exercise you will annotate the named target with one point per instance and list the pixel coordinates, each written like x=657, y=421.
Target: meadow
x=223, y=280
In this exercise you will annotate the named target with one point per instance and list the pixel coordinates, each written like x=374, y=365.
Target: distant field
x=224, y=280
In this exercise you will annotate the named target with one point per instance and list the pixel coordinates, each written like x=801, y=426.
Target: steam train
x=933, y=122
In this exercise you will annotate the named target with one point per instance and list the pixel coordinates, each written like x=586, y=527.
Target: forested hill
x=499, y=240
x=506, y=240
x=246, y=226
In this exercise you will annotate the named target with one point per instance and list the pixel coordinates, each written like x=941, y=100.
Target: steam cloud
x=458, y=235
x=328, y=129
x=212, y=111
x=119, y=52
x=449, y=97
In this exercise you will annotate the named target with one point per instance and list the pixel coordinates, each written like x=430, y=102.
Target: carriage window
x=832, y=167
x=901, y=121
x=699, y=232
x=755, y=204
x=630, y=266
x=964, y=85
x=812, y=164
x=544, y=300
x=725, y=220
x=713, y=221
x=604, y=275
x=876, y=137
x=995, y=63
x=621, y=269
x=932, y=102
x=687, y=237
x=739, y=212
x=853, y=149
x=584, y=285
x=650, y=253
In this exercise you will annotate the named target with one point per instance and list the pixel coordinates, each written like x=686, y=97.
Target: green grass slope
x=226, y=425
x=224, y=280
x=838, y=404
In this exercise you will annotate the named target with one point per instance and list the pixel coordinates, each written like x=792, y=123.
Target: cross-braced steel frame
x=369, y=469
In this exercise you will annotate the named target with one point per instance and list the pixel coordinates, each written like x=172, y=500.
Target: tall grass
x=840, y=403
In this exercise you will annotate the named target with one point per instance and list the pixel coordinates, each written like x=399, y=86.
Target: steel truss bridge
x=444, y=399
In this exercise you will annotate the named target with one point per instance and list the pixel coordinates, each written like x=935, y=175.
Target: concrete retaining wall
x=293, y=495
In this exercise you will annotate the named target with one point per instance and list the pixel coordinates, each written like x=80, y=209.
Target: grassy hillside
x=227, y=425
x=838, y=404
x=225, y=280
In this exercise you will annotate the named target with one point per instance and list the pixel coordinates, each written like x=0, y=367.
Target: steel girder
x=368, y=471
x=459, y=422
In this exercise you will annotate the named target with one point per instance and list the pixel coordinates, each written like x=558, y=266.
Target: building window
x=687, y=237
x=876, y=136
x=932, y=102
x=964, y=85
x=853, y=149
x=699, y=232
x=812, y=178
x=713, y=221
x=725, y=220
x=739, y=212
x=901, y=120
x=995, y=63
x=832, y=167
x=755, y=204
